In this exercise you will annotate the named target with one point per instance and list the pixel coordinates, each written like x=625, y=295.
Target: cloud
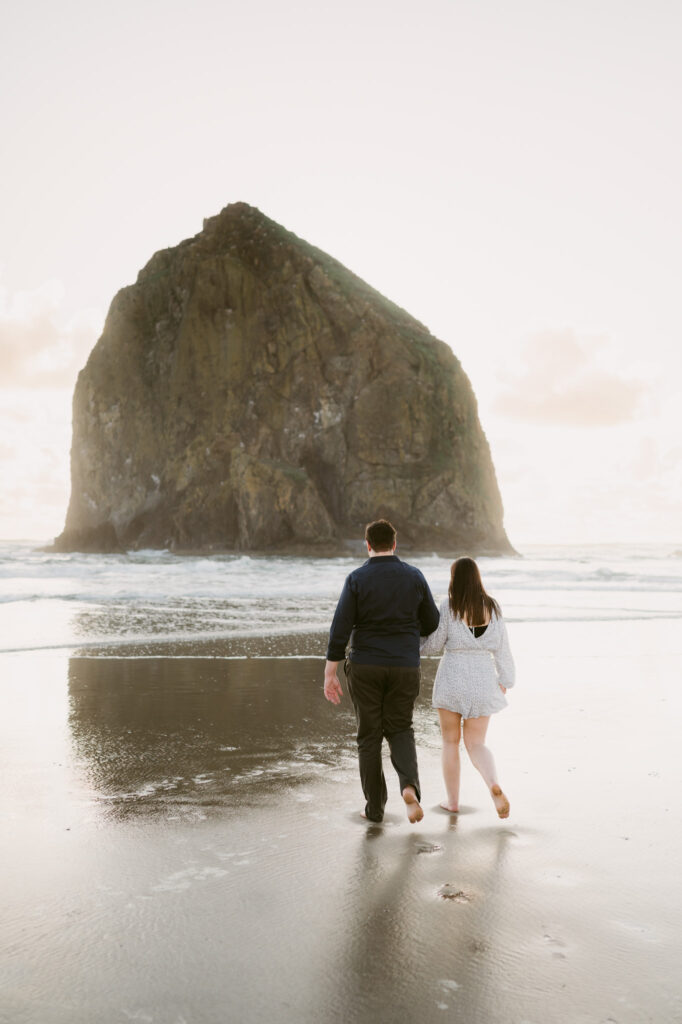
x=561, y=379
x=40, y=346
x=599, y=486
x=35, y=427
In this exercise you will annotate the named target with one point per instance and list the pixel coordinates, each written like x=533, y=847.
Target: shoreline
x=350, y=547
x=306, y=643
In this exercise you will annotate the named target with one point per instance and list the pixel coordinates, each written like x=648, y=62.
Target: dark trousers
x=383, y=697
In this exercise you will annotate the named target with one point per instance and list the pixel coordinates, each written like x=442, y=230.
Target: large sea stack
x=250, y=393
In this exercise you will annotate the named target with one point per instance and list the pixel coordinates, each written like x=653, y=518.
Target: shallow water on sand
x=183, y=844
x=148, y=599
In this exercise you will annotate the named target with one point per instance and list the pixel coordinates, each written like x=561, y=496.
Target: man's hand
x=503, y=688
x=332, y=686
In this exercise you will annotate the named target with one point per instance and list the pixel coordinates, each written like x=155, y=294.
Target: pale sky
x=508, y=173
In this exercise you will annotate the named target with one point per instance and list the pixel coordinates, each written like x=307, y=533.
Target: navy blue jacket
x=385, y=606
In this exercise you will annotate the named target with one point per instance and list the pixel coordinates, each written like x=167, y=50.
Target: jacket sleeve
x=434, y=643
x=428, y=613
x=342, y=623
x=504, y=663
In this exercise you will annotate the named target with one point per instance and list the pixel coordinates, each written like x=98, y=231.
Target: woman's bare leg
x=451, y=731
x=482, y=759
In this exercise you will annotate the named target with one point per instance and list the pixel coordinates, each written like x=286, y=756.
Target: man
x=384, y=608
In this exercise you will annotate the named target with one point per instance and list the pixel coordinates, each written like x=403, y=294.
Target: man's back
x=385, y=606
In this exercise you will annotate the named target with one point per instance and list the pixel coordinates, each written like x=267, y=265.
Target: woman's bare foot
x=451, y=807
x=500, y=801
x=414, y=811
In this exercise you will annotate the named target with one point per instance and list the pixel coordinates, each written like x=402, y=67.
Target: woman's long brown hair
x=468, y=598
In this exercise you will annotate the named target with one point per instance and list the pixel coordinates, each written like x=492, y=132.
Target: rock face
x=248, y=392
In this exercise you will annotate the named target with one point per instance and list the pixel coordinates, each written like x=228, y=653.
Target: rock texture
x=248, y=392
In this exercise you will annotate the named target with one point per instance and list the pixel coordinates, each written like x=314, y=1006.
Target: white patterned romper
x=472, y=668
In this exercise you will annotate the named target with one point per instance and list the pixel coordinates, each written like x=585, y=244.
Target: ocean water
x=107, y=605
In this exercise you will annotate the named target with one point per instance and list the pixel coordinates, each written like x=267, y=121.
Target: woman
x=475, y=672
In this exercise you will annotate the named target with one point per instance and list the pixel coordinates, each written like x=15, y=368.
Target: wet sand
x=183, y=843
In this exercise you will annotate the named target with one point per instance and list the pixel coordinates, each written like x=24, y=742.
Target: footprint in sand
x=452, y=893
x=551, y=941
x=448, y=988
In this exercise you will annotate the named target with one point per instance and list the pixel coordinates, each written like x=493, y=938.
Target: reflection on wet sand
x=164, y=734
x=411, y=945
x=185, y=844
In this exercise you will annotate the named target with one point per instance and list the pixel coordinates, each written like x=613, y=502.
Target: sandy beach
x=182, y=843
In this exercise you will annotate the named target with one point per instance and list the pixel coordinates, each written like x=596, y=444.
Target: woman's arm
x=504, y=663
x=433, y=644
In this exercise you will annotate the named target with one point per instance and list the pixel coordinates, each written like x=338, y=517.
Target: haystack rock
x=250, y=393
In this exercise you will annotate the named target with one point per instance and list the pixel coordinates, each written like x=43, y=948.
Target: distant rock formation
x=250, y=393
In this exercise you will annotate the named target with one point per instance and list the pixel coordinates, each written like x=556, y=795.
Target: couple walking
x=387, y=612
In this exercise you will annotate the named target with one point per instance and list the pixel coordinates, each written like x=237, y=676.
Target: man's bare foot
x=500, y=801
x=414, y=811
x=447, y=806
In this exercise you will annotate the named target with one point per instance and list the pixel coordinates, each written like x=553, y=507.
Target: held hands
x=332, y=686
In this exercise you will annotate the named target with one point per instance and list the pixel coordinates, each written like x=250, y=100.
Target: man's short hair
x=380, y=535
